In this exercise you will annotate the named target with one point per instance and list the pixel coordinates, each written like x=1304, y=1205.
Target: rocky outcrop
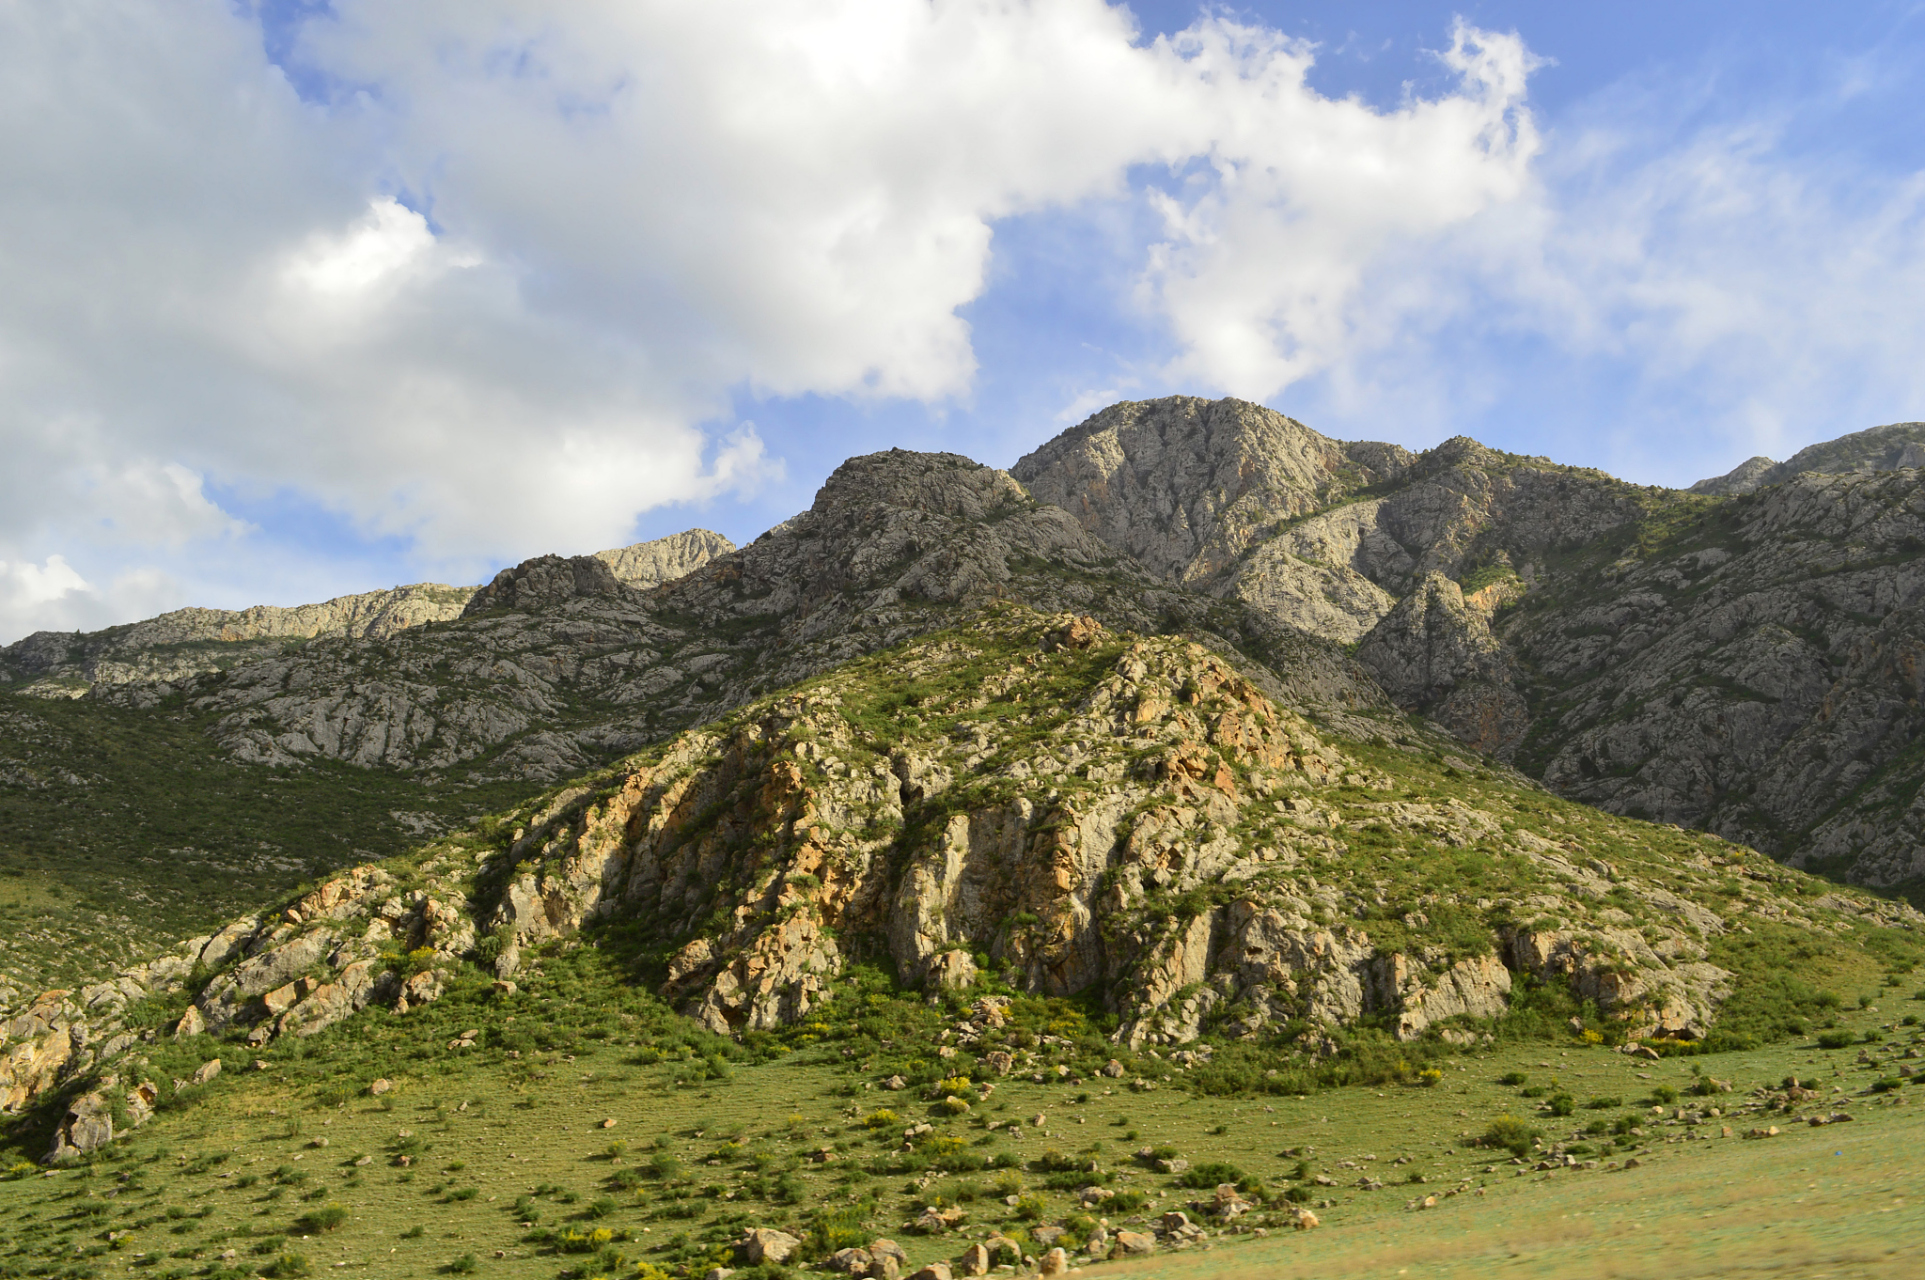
x=1435, y=654
x=543, y=583
x=1743, y=478
x=1186, y=485
x=650, y=564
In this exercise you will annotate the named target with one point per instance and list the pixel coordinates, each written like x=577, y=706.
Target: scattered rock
x=761, y=1244
x=380, y=1086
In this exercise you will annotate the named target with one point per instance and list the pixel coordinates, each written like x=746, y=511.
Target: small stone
x=363, y=1162
x=895, y=1084
x=609, y=1123
x=207, y=1071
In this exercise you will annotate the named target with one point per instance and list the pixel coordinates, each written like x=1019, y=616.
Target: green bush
x=1510, y=1134
x=1834, y=1039
x=1604, y=1104
x=1209, y=1174
x=1562, y=1104
x=289, y=1266
x=1512, y=1079
x=461, y=1265
x=319, y=1221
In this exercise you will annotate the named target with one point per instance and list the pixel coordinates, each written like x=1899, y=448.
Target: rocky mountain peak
x=938, y=484
x=1876, y=449
x=1185, y=485
x=544, y=582
x=649, y=564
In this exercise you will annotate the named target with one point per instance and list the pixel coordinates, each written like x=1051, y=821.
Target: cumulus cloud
x=492, y=289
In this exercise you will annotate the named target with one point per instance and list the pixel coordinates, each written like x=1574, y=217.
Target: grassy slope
x=123, y=830
x=700, y=1150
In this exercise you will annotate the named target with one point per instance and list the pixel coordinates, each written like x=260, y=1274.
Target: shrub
x=1030, y=1209
x=1510, y=1134
x=1887, y=1084
x=881, y=1119
x=1512, y=1078
x=1562, y=1104
x=1663, y=1094
x=1208, y=1174
x=289, y=1266
x=319, y=1221
x=461, y=1265
x=1834, y=1039
x=1604, y=1104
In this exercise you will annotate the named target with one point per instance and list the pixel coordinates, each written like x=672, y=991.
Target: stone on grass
x=761, y=1244
x=1054, y=1263
x=1134, y=1243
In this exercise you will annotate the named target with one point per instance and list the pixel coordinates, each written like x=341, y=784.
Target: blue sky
x=318, y=297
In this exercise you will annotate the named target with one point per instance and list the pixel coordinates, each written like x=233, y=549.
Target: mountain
x=1902, y=444
x=1197, y=753
x=1741, y=664
x=1046, y=804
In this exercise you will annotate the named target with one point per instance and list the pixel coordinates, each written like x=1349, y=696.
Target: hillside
x=1740, y=664
x=1024, y=930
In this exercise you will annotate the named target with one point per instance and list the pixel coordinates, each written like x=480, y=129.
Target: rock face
x=1743, y=478
x=1741, y=665
x=1862, y=453
x=1435, y=654
x=650, y=564
x=543, y=583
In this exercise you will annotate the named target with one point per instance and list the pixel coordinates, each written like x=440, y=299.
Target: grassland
x=589, y=1132
x=121, y=831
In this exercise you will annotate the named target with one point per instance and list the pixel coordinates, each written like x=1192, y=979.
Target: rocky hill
x=1076, y=811
x=187, y=643
x=1737, y=663
x=1889, y=448
x=1743, y=664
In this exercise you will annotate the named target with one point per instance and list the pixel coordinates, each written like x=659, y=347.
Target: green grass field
x=501, y=1158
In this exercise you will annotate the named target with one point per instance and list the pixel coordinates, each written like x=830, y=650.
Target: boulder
x=207, y=1071
x=1053, y=1263
x=974, y=1261
x=934, y=1271
x=87, y=1127
x=852, y=1262
x=191, y=1024
x=1133, y=1244
x=761, y=1244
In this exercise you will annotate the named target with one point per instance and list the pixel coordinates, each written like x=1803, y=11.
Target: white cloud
x=28, y=586
x=617, y=216
x=1263, y=272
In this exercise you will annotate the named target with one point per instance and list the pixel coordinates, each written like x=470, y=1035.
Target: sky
x=308, y=297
